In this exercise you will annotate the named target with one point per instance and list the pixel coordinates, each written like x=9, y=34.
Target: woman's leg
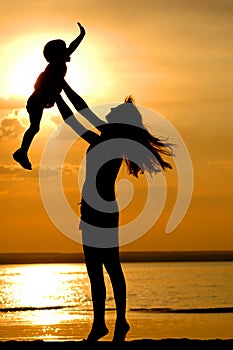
x=114, y=269
x=98, y=291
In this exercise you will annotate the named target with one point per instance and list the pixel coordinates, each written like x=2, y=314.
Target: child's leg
x=20, y=155
x=35, y=118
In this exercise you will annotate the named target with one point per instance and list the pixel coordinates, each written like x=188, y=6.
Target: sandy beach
x=142, y=344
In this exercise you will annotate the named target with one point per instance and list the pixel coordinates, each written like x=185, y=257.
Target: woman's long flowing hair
x=153, y=160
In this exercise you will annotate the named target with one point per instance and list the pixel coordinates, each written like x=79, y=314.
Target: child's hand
x=82, y=29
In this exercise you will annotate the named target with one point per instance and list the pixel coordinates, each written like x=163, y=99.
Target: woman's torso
x=99, y=205
x=101, y=174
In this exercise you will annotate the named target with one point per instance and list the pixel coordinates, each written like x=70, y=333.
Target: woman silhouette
x=108, y=148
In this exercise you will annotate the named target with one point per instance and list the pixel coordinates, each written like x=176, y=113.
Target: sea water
x=164, y=300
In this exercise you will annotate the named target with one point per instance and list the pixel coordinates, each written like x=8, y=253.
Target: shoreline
x=142, y=344
x=159, y=256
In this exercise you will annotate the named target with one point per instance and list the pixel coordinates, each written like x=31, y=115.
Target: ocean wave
x=35, y=308
x=211, y=310
x=55, y=307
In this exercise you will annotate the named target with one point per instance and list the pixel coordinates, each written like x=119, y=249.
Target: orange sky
x=174, y=56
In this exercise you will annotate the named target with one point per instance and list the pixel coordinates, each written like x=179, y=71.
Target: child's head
x=55, y=50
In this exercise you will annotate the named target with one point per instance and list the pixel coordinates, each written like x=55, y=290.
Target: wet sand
x=142, y=344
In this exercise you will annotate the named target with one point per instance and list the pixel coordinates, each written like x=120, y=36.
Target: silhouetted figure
x=47, y=87
x=99, y=215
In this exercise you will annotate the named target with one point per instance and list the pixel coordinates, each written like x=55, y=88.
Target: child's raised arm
x=73, y=46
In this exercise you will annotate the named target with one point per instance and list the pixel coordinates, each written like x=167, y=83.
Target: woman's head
x=125, y=121
x=125, y=113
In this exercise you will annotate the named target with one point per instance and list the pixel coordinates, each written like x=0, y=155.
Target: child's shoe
x=21, y=157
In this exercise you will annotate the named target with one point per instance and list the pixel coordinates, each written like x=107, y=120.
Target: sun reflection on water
x=50, y=293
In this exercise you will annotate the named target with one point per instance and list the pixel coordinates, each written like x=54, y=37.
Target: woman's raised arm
x=81, y=106
x=71, y=120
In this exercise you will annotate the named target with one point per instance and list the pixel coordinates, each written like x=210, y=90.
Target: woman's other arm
x=81, y=106
x=70, y=120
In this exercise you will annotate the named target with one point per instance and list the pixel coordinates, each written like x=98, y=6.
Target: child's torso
x=51, y=79
x=49, y=83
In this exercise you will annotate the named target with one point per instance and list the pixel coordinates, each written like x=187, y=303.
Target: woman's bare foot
x=121, y=329
x=96, y=333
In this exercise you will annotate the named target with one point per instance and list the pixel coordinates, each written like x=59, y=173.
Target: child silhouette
x=46, y=89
